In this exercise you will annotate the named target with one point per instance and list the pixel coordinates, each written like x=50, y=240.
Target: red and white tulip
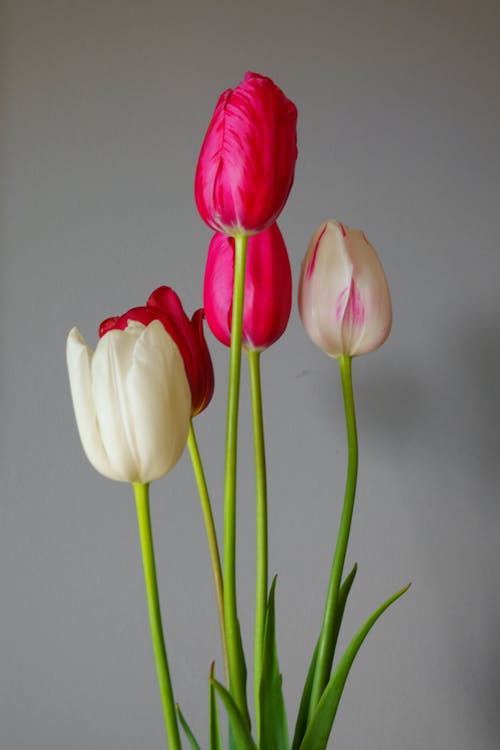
x=344, y=299
x=132, y=401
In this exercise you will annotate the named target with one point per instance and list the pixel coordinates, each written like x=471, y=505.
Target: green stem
x=327, y=636
x=211, y=536
x=261, y=556
x=148, y=559
x=236, y=664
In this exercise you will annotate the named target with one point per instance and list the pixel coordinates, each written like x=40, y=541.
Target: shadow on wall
x=475, y=359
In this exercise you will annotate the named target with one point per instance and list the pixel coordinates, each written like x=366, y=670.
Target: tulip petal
x=159, y=400
x=79, y=359
x=320, y=297
x=110, y=366
x=218, y=286
x=268, y=288
x=372, y=288
x=190, y=338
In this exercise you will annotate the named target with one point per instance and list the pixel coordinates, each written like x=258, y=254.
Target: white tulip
x=132, y=401
x=344, y=300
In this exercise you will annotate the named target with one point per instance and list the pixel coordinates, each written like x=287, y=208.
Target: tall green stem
x=148, y=559
x=261, y=553
x=211, y=536
x=326, y=641
x=236, y=663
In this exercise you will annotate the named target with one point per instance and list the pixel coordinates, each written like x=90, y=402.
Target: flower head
x=268, y=288
x=344, y=300
x=164, y=305
x=131, y=399
x=247, y=160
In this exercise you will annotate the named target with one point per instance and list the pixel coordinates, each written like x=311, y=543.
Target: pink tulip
x=268, y=288
x=164, y=305
x=247, y=159
x=344, y=300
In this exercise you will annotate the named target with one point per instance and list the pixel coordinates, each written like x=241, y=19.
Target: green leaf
x=187, y=730
x=343, y=594
x=241, y=733
x=243, y=671
x=213, y=715
x=318, y=731
x=301, y=723
x=273, y=730
x=243, y=668
x=231, y=740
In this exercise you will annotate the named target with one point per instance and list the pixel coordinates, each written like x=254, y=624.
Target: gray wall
x=103, y=107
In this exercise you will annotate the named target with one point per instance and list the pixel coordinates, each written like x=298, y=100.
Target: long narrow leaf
x=343, y=594
x=243, y=668
x=213, y=715
x=301, y=723
x=273, y=730
x=318, y=731
x=243, y=671
x=185, y=726
x=231, y=740
x=241, y=733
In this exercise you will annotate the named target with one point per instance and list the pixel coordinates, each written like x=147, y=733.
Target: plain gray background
x=103, y=108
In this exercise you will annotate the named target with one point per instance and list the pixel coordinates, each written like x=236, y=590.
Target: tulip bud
x=247, y=159
x=164, y=305
x=344, y=300
x=132, y=401
x=268, y=288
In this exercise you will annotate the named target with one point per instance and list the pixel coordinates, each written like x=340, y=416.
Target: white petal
x=159, y=398
x=374, y=292
x=79, y=359
x=322, y=290
x=110, y=367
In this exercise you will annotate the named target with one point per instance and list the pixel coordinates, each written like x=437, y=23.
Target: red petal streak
x=350, y=311
x=310, y=268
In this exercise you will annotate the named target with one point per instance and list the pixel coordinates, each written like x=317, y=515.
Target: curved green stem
x=148, y=559
x=236, y=663
x=261, y=556
x=211, y=536
x=326, y=640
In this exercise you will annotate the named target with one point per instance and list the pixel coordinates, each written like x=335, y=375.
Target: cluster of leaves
x=314, y=723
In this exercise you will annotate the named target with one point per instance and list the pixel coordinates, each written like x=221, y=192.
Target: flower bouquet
x=136, y=396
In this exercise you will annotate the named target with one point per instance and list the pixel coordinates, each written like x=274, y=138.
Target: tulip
x=268, y=289
x=132, y=401
x=164, y=305
x=247, y=160
x=344, y=300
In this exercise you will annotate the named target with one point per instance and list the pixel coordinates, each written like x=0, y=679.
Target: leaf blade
x=273, y=730
x=241, y=733
x=215, y=739
x=301, y=723
x=187, y=730
x=318, y=731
